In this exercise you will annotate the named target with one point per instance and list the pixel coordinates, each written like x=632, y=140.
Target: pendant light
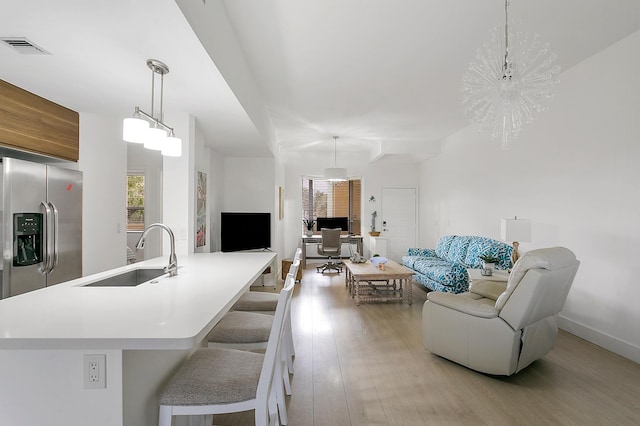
x=335, y=174
x=148, y=129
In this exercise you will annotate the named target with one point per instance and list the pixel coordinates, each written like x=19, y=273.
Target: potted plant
x=309, y=224
x=488, y=264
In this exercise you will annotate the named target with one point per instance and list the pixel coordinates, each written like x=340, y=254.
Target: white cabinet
x=378, y=245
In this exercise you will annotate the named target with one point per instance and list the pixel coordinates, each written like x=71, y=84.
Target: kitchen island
x=144, y=332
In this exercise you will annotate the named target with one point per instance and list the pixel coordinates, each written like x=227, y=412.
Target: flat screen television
x=244, y=231
x=332, y=223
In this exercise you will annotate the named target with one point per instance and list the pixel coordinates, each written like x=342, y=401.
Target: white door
x=398, y=221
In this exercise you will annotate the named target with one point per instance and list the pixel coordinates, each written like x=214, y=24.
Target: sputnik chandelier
x=510, y=80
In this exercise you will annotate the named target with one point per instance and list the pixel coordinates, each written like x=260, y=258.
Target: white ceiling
x=370, y=71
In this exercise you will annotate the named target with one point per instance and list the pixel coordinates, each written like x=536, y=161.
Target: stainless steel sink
x=129, y=278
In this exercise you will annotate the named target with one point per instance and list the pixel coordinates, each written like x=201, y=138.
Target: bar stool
x=250, y=331
x=265, y=302
x=261, y=301
x=215, y=381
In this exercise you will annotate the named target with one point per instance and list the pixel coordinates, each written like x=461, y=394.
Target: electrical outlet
x=95, y=371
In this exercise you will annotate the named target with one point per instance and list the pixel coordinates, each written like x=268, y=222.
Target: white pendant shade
x=172, y=147
x=335, y=174
x=155, y=139
x=134, y=129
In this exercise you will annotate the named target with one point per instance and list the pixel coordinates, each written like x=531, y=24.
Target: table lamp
x=517, y=231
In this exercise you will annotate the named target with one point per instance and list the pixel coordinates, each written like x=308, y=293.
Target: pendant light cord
x=506, y=38
x=153, y=91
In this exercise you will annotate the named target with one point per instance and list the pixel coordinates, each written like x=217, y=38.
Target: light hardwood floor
x=365, y=365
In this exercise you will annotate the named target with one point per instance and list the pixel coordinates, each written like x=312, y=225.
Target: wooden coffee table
x=367, y=283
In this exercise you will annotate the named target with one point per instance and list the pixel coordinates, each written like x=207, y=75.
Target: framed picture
x=201, y=209
x=280, y=203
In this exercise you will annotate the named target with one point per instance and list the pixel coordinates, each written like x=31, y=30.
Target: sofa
x=445, y=267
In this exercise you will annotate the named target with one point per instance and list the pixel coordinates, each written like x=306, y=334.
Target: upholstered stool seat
x=212, y=377
x=257, y=301
x=242, y=328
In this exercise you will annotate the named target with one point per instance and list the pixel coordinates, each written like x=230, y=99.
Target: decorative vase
x=487, y=269
x=309, y=232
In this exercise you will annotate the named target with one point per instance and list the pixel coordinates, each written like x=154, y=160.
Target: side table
x=498, y=275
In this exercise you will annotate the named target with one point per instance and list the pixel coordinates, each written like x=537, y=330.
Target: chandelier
x=147, y=128
x=511, y=79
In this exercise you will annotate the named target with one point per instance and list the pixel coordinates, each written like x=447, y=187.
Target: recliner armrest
x=489, y=289
x=466, y=303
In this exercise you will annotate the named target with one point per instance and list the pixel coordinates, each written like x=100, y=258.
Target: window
x=135, y=202
x=322, y=198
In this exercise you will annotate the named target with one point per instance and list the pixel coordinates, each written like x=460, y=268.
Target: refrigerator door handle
x=47, y=239
x=54, y=233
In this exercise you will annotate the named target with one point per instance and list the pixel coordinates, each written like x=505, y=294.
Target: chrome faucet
x=172, y=267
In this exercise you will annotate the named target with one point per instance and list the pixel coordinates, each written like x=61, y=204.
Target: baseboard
x=613, y=344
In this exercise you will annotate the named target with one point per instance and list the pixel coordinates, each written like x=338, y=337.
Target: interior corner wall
x=103, y=161
x=574, y=173
x=202, y=163
x=178, y=187
x=216, y=161
x=279, y=241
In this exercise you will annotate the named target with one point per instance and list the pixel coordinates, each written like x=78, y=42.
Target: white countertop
x=174, y=313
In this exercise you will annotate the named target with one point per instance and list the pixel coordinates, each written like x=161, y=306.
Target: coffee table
x=368, y=283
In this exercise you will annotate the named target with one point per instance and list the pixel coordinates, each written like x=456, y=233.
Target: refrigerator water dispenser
x=27, y=239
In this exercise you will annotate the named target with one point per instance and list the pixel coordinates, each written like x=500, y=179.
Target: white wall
x=249, y=185
x=103, y=161
x=574, y=173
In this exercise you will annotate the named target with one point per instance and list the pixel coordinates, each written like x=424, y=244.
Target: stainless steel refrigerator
x=41, y=230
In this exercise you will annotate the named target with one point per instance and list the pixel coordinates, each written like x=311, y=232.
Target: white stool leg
x=164, y=417
x=285, y=373
x=280, y=399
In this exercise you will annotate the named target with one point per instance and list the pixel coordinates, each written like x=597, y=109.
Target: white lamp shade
x=335, y=174
x=515, y=230
x=172, y=147
x=155, y=139
x=134, y=129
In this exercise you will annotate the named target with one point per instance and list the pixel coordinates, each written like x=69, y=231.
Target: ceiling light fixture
x=335, y=174
x=147, y=128
x=509, y=81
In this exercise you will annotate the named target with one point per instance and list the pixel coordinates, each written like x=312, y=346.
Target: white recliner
x=498, y=329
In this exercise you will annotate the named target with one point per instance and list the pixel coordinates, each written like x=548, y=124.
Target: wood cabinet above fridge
x=31, y=123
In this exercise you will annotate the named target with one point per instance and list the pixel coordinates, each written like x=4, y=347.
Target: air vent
x=24, y=46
